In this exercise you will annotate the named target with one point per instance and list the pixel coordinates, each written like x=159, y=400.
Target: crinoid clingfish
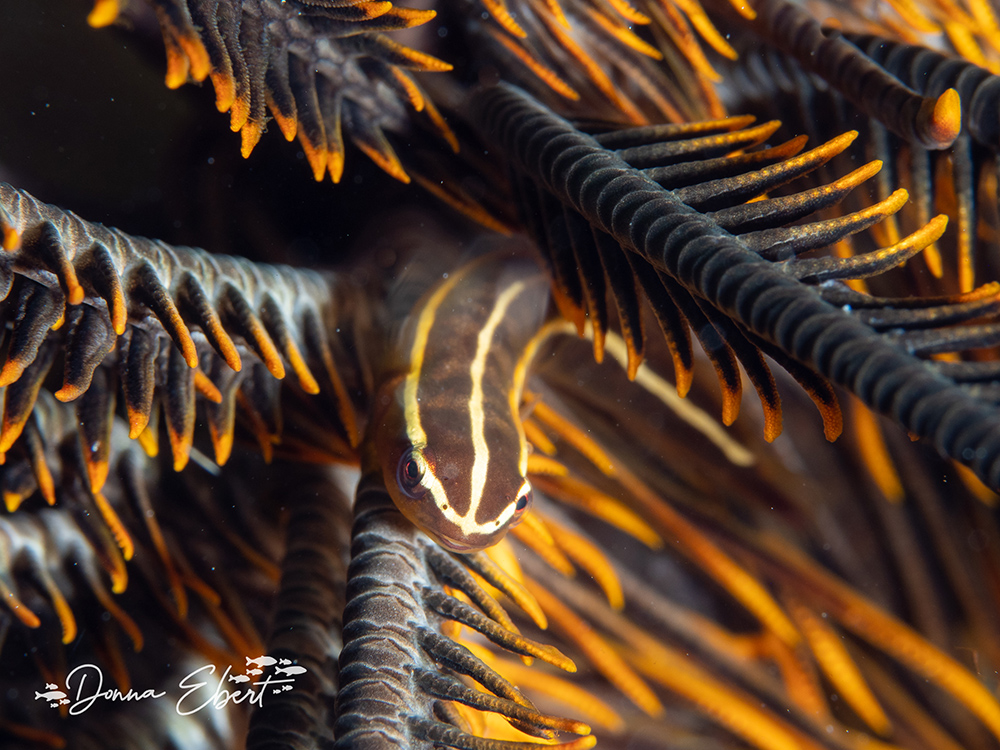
x=446, y=447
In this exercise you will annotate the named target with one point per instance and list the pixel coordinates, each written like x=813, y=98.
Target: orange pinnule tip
x=119, y=317
x=683, y=377
x=239, y=113
x=223, y=445
x=373, y=9
x=177, y=71
x=25, y=615
x=272, y=361
x=204, y=385
x=833, y=423
x=599, y=339
x=66, y=619
x=46, y=485
x=413, y=93
x=11, y=371
x=772, y=424
x=635, y=357
x=11, y=432
x=316, y=157
x=386, y=159
x=149, y=441
x=730, y=406
x=498, y=10
x=97, y=472
x=104, y=13
x=225, y=90
x=250, y=135
x=424, y=62
x=287, y=123
x=335, y=163
x=137, y=422
x=198, y=59
x=307, y=381
x=946, y=121
x=114, y=523
x=10, y=239
x=630, y=13
x=12, y=500
x=76, y=294
x=188, y=350
x=934, y=261
x=182, y=453
x=119, y=579
x=414, y=16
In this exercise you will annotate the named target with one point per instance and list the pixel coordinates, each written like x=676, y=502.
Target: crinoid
x=439, y=464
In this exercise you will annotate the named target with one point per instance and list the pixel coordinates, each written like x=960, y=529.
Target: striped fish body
x=448, y=433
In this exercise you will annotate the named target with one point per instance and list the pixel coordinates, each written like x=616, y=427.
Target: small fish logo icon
x=238, y=678
x=262, y=661
x=51, y=686
x=280, y=661
x=276, y=691
x=289, y=670
x=64, y=701
x=50, y=695
x=255, y=671
x=53, y=705
x=286, y=687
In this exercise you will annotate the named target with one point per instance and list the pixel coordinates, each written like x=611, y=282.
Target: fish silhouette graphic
x=289, y=670
x=238, y=678
x=255, y=671
x=51, y=686
x=262, y=661
x=50, y=695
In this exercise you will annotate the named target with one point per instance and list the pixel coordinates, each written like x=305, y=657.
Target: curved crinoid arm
x=932, y=121
x=401, y=676
x=306, y=627
x=932, y=73
x=322, y=69
x=687, y=158
x=176, y=321
x=729, y=280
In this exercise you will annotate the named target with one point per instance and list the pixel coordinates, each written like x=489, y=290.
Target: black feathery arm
x=399, y=674
x=765, y=298
x=175, y=321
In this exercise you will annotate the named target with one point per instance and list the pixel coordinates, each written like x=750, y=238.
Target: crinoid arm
x=402, y=666
x=172, y=323
x=322, y=70
x=775, y=305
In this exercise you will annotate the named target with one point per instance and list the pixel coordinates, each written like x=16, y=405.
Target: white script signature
x=85, y=686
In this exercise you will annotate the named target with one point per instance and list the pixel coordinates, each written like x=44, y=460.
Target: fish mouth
x=460, y=547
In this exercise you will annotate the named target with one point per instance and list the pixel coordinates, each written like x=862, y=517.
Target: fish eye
x=522, y=505
x=409, y=474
